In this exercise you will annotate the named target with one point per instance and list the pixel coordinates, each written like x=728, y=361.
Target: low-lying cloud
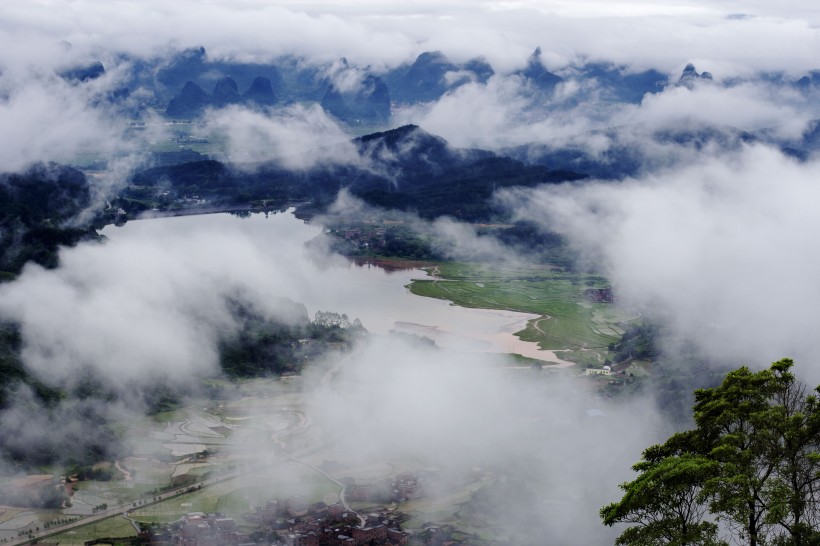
x=561, y=449
x=448, y=237
x=770, y=37
x=748, y=107
x=717, y=243
x=50, y=119
x=296, y=137
x=152, y=303
x=46, y=118
x=155, y=299
x=722, y=249
x=506, y=112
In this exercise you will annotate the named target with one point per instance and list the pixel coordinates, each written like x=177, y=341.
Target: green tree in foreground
x=749, y=472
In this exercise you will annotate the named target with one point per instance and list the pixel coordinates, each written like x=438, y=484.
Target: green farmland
x=568, y=320
x=116, y=526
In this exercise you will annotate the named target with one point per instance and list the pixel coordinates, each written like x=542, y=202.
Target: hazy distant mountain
x=537, y=75
x=225, y=92
x=427, y=78
x=369, y=102
x=617, y=83
x=435, y=179
x=265, y=85
x=812, y=80
x=190, y=102
x=431, y=75
x=194, y=65
x=291, y=79
x=422, y=81
x=634, y=150
x=187, y=65
x=410, y=149
x=811, y=136
x=690, y=75
x=260, y=92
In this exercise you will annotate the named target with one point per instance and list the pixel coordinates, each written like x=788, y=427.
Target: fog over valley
x=477, y=273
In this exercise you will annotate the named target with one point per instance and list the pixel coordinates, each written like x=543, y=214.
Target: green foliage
x=330, y=319
x=392, y=238
x=666, y=500
x=637, y=342
x=734, y=423
x=752, y=461
x=259, y=349
x=35, y=209
x=99, y=472
x=13, y=373
x=267, y=347
x=11, y=367
x=160, y=397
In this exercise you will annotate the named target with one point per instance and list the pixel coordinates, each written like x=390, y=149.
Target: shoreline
x=503, y=341
x=390, y=264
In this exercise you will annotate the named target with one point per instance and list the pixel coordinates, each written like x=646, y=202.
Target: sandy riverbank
x=502, y=340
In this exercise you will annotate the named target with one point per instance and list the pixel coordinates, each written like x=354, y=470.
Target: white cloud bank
x=460, y=415
x=505, y=112
x=295, y=137
x=43, y=118
x=661, y=34
x=723, y=249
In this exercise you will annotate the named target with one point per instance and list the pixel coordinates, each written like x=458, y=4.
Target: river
x=379, y=298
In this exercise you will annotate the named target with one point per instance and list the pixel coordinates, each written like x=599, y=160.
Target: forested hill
x=37, y=209
x=404, y=168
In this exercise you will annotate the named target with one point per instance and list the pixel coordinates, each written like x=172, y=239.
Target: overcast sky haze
x=735, y=36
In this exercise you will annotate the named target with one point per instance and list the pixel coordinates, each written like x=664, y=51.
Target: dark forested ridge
x=37, y=212
x=405, y=169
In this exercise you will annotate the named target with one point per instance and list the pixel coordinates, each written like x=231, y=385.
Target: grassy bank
x=568, y=319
